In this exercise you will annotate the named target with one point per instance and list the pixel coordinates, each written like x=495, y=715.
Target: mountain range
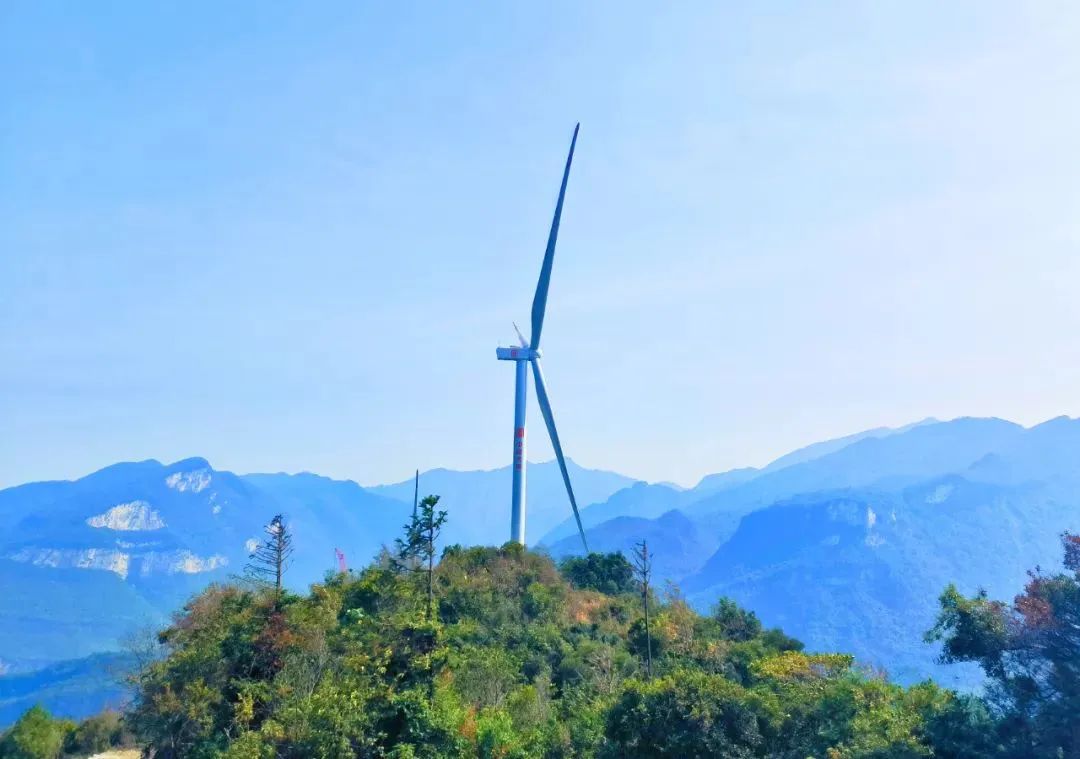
x=846, y=543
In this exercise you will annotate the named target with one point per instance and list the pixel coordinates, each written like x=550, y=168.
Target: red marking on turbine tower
x=340, y=561
x=519, y=444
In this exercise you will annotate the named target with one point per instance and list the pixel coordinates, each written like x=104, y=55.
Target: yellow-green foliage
x=517, y=662
x=36, y=735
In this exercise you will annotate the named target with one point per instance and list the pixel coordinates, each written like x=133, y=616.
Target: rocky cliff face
x=161, y=532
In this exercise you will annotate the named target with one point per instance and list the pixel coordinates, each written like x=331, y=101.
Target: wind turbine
x=529, y=353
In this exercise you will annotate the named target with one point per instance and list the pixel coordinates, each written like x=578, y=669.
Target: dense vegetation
x=1030, y=652
x=37, y=735
x=515, y=662
x=500, y=653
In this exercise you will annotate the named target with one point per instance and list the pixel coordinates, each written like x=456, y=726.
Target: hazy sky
x=290, y=236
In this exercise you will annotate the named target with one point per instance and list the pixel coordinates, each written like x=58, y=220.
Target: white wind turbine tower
x=529, y=353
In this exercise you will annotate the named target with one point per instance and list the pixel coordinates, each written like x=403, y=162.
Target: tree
x=95, y=734
x=268, y=562
x=962, y=729
x=416, y=551
x=1030, y=652
x=689, y=714
x=510, y=660
x=608, y=573
x=735, y=622
x=416, y=554
x=643, y=572
x=36, y=735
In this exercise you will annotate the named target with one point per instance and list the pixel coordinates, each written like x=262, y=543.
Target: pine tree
x=416, y=551
x=643, y=572
x=416, y=554
x=268, y=562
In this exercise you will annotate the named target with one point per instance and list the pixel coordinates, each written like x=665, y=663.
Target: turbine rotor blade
x=549, y=420
x=540, y=299
x=521, y=337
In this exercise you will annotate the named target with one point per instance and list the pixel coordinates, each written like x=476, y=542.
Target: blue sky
x=290, y=236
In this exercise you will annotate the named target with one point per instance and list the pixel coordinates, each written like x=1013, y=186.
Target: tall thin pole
x=431, y=564
x=416, y=494
x=643, y=569
x=431, y=595
x=517, y=498
x=648, y=630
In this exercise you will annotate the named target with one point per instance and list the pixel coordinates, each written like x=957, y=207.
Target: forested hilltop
x=498, y=652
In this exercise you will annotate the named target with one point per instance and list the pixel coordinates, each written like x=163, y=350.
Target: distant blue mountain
x=861, y=570
x=684, y=542
x=84, y=562
x=718, y=500
x=325, y=514
x=1045, y=452
x=48, y=614
x=477, y=502
x=825, y=447
x=726, y=480
x=849, y=550
x=845, y=543
x=638, y=500
x=920, y=452
x=711, y=483
x=75, y=689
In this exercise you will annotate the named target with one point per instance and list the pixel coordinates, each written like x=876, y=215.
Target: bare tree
x=643, y=573
x=606, y=671
x=303, y=670
x=268, y=562
x=143, y=645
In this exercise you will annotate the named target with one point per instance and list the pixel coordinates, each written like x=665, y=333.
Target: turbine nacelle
x=517, y=354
